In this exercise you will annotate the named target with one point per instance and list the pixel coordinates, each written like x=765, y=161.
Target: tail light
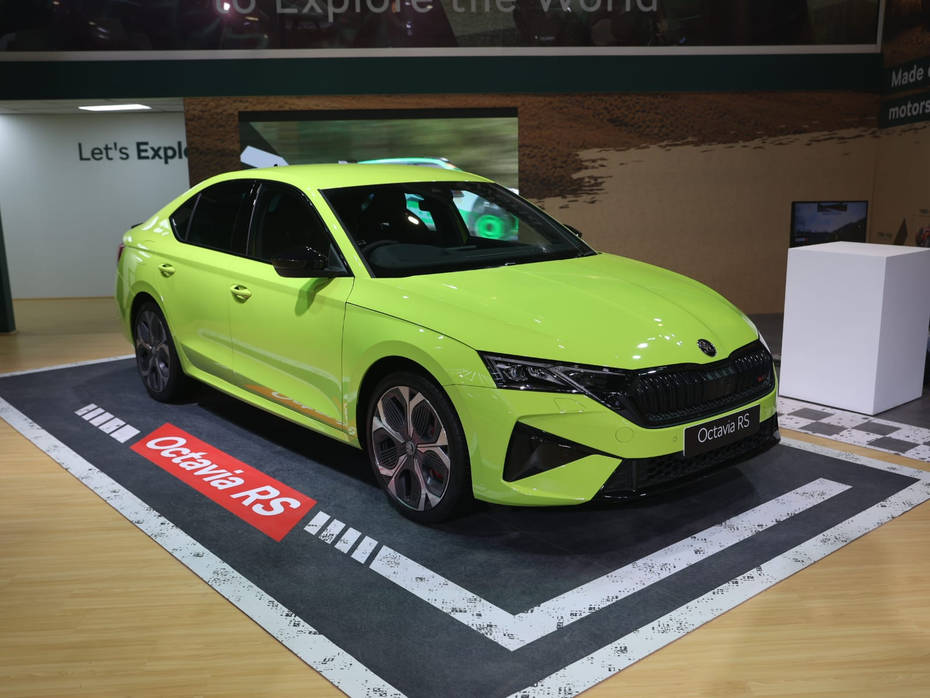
x=119, y=252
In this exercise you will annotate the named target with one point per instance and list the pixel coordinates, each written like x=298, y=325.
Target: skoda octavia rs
x=356, y=300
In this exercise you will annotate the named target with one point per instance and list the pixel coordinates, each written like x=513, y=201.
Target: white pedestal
x=855, y=334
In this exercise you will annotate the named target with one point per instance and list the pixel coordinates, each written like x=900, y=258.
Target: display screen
x=212, y=25
x=814, y=222
x=481, y=141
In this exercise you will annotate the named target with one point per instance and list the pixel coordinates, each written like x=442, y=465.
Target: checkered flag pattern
x=854, y=428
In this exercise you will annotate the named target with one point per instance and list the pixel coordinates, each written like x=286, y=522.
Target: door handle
x=241, y=292
x=166, y=269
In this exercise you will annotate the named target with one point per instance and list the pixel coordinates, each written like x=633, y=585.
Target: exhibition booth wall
x=680, y=133
x=71, y=185
x=700, y=182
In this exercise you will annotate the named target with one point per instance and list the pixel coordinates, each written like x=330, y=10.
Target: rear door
x=287, y=332
x=196, y=274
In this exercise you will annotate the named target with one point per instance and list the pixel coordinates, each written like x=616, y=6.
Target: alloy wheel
x=411, y=448
x=153, y=354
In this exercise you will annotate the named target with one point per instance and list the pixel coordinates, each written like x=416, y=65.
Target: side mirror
x=575, y=230
x=301, y=264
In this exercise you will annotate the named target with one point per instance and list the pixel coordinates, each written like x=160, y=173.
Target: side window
x=181, y=218
x=285, y=223
x=221, y=219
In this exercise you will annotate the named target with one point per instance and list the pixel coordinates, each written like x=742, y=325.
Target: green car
x=532, y=371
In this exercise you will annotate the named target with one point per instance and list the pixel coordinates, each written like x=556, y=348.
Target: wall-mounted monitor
x=482, y=141
x=814, y=222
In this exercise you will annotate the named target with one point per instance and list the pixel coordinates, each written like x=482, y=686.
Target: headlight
x=526, y=374
x=608, y=386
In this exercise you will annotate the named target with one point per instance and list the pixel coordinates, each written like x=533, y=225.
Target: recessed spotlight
x=116, y=107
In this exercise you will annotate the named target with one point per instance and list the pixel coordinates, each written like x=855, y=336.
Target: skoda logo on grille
x=707, y=347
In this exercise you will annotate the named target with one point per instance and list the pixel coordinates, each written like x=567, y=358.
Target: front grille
x=683, y=393
x=635, y=477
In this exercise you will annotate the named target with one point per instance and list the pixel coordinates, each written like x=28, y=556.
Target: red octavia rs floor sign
x=270, y=506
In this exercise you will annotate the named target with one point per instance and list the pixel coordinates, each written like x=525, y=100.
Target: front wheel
x=156, y=357
x=417, y=448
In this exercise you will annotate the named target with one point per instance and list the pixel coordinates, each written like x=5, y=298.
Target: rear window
x=220, y=218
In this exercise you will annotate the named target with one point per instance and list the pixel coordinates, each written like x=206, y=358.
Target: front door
x=286, y=332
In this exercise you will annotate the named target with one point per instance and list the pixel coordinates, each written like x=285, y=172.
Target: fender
x=370, y=336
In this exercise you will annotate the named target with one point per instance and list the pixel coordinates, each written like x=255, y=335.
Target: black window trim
x=259, y=184
x=177, y=234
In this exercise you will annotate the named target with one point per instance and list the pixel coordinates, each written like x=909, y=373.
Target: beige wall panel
x=902, y=185
x=719, y=213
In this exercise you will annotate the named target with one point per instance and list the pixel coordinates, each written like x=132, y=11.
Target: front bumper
x=638, y=477
x=608, y=457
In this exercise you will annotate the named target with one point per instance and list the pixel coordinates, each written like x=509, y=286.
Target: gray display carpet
x=503, y=601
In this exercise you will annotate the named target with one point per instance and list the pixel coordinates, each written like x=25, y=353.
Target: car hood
x=601, y=309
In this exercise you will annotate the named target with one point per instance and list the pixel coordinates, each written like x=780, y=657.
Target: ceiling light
x=116, y=107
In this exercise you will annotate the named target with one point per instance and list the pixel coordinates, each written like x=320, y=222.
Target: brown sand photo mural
x=906, y=34
x=701, y=183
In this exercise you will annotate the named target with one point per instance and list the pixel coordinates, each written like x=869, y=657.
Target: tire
x=156, y=357
x=418, y=454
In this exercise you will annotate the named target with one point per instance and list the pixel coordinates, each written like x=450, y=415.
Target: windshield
x=431, y=227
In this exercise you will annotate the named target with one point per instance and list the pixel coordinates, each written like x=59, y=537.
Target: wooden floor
x=89, y=605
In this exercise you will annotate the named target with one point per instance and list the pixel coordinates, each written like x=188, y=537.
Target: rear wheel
x=417, y=448
x=156, y=357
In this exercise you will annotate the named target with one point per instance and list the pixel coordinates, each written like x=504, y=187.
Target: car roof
x=422, y=162
x=349, y=175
